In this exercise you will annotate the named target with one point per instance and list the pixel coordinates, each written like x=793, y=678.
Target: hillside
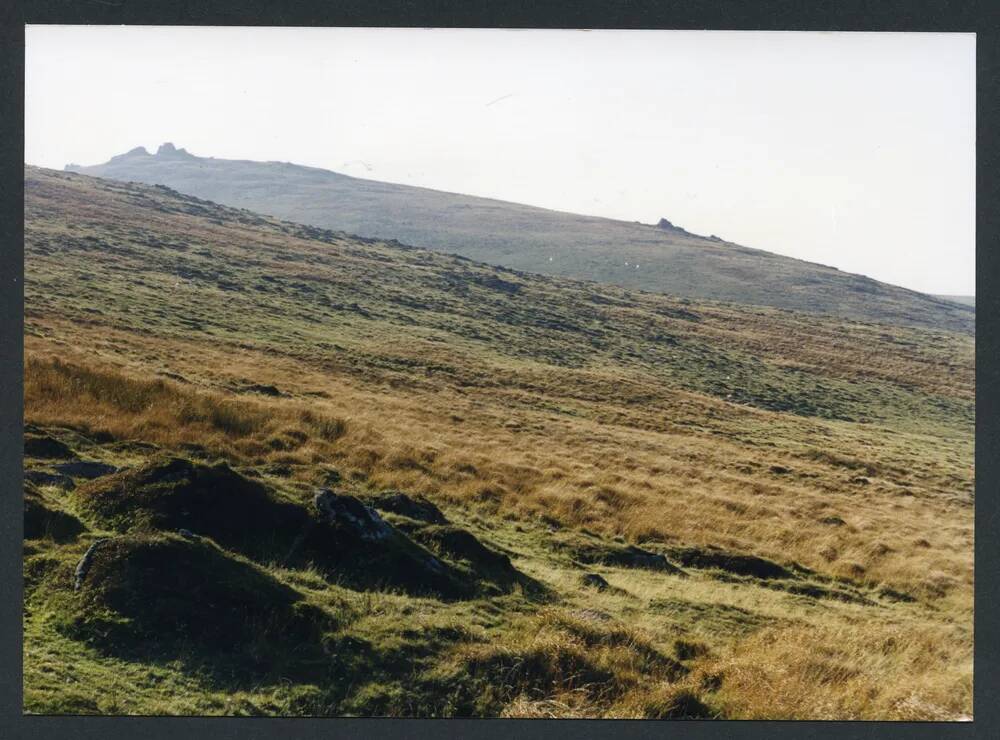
x=586, y=500
x=965, y=300
x=661, y=258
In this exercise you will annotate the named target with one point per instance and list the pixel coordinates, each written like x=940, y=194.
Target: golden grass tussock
x=560, y=664
x=862, y=670
x=110, y=402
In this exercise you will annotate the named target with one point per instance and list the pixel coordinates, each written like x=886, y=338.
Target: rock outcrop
x=339, y=535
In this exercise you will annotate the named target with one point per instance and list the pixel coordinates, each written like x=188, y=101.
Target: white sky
x=853, y=150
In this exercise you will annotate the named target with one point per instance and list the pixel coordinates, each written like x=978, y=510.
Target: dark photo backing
x=899, y=16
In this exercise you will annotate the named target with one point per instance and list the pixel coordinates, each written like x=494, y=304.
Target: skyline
x=564, y=120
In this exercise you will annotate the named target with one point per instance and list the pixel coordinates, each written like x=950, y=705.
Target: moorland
x=275, y=469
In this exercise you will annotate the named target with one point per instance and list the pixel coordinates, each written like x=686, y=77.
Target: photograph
x=498, y=373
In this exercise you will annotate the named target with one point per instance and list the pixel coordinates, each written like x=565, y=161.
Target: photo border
x=853, y=15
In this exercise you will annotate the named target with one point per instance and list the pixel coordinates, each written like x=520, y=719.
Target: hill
x=661, y=258
x=965, y=300
x=440, y=488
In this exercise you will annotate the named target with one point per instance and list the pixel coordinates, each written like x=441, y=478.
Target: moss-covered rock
x=485, y=564
x=162, y=592
x=339, y=535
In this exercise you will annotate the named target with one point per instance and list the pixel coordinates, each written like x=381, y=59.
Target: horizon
x=895, y=113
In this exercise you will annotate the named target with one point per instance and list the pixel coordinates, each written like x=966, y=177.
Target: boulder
x=348, y=512
x=83, y=567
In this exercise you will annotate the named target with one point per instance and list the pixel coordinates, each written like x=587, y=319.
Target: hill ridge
x=632, y=255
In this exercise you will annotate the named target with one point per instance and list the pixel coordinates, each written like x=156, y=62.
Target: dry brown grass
x=108, y=402
x=860, y=670
x=697, y=486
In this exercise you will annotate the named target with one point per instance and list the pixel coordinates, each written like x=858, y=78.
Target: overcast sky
x=853, y=150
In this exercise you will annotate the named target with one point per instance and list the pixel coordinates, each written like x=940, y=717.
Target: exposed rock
x=168, y=150
x=83, y=567
x=414, y=507
x=139, y=151
x=88, y=469
x=341, y=511
x=834, y=521
x=664, y=225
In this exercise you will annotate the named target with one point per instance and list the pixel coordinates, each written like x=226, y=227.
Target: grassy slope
x=537, y=240
x=522, y=404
